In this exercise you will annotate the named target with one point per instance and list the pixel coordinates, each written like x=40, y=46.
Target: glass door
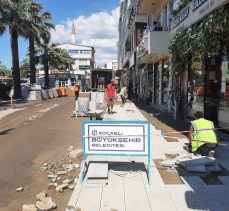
x=212, y=85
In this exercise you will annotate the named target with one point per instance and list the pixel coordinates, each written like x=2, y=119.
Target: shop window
x=223, y=112
x=196, y=83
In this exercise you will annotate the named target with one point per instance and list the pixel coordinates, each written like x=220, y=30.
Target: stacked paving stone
x=193, y=163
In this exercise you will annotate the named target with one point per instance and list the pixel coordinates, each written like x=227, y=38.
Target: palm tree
x=13, y=14
x=36, y=28
x=57, y=58
x=31, y=31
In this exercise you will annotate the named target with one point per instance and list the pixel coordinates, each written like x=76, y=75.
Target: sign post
x=117, y=138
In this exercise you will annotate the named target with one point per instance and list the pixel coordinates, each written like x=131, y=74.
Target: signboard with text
x=193, y=12
x=117, y=138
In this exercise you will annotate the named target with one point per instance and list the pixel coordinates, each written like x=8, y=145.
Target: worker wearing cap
x=111, y=95
x=202, y=136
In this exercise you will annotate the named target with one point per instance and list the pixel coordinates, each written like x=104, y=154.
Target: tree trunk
x=15, y=62
x=31, y=61
x=46, y=69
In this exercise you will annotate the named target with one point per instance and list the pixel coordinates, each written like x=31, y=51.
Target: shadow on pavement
x=5, y=132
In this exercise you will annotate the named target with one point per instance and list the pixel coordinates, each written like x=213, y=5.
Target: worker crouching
x=202, y=137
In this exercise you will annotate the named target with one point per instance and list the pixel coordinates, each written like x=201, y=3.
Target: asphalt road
x=40, y=133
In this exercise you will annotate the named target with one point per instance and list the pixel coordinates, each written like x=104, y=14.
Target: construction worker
x=124, y=95
x=111, y=95
x=202, y=137
x=76, y=89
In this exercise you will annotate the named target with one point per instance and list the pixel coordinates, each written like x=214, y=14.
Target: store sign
x=84, y=67
x=181, y=17
x=197, y=4
x=116, y=138
x=74, y=51
x=194, y=12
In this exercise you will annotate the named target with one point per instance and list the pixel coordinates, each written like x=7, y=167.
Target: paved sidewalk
x=5, y=107
x=128, y=187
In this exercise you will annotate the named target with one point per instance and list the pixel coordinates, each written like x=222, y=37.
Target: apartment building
x=84, y=62
x=143, y=49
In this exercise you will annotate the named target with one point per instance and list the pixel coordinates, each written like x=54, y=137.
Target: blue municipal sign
x=117, y=138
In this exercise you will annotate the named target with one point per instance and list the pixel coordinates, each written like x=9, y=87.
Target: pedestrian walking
x=110, y=96
x=124, y=95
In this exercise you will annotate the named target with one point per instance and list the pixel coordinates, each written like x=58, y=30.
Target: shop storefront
x=202, y=54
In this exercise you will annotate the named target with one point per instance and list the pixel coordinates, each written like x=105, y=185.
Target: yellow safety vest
x=123, y=91
x=203, y=133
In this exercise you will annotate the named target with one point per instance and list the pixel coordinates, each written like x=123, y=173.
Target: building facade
x=143, y=49
x=84, y=62
x=113, y=65
x=201, y=64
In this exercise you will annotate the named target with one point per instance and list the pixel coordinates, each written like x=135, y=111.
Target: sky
x=96, y=24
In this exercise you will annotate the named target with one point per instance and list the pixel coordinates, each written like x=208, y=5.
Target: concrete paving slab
x=113, y=197
x=89, y=199
x=183, y=198
x=97, y=170
x=197, y=168
x=157, y=192
x=191, y=181
x=224, y=179
x=156, y=152
x=136, y=197
x=185, y=162
x=214, y=168
x=74, y=197
x=172, y=147
x=212, y=197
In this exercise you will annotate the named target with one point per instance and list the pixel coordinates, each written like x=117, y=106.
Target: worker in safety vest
x=124, y=95
x=110, y=96
x=202, y=137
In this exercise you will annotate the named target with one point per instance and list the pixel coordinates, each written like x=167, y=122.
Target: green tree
x=49, y=54
x=25, y=68
x=4, y=71
x=12, y=14
x=38, y=27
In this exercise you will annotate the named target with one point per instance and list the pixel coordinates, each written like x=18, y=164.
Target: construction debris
x=52, y=176
x=50, y=185
x=60, y=188
x=29, y=207
x=41, y=195
x=76, y=153
x=168, y=163
x=45, y=204
x=20, y=189
x=71, y=187
x=70, y=148
x=67, y=181
x=61, y=172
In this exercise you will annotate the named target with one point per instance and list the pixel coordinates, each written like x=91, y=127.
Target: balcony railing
x=155, y=41
x=143, y=46
x=132, y=13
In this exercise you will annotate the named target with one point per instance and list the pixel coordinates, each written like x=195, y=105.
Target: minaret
x=73, y=35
